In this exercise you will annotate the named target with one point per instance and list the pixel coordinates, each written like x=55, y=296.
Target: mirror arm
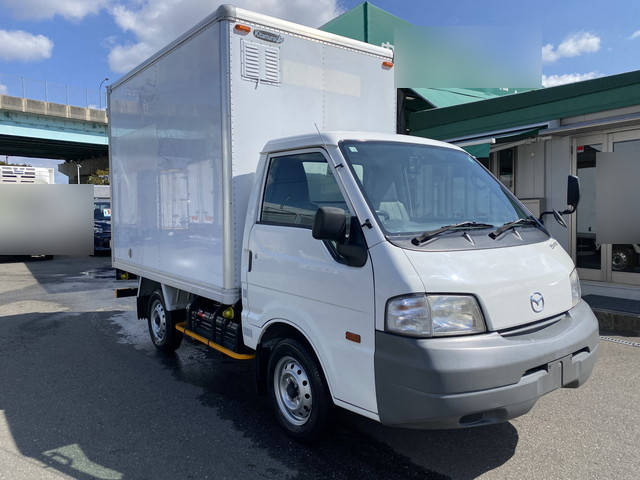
x=541, y=218
x=568, y=211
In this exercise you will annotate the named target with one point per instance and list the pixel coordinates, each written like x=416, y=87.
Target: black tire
x=306, y=424
x=161, y=324
x=623, y=258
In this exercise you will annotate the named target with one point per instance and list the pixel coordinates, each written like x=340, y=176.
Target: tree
x=100, y=177
x=2, y=162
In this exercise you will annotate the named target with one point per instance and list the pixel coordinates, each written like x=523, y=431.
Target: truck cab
x=410, y=323
x=270, y=212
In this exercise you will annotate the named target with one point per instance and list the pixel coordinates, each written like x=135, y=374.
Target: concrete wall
x=542, y=168
x=530, y=162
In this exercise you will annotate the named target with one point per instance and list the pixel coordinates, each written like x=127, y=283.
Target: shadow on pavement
x=24, y=258
x=351, y=448
x=68, y=274
x=79, y=398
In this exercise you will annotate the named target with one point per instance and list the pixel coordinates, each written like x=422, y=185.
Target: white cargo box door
x=260, y=63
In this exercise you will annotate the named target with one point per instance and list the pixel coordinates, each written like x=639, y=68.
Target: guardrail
x=29, y=105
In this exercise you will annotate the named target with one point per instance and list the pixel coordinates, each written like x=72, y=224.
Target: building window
x=506, y=167
x=486, y=161
x=626, y=257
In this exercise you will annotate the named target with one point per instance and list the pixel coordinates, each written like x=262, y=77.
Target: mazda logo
x=537, y=302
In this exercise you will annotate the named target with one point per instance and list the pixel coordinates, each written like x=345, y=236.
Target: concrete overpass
x=35, y=128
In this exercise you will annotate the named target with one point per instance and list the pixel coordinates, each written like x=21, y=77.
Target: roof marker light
x=242, y=28
x=387, y=64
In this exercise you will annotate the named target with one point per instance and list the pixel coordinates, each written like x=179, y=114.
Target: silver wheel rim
x=158, y=322
x=292, y=390
x=620, y=260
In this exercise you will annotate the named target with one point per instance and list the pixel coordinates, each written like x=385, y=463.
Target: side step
x=126, y=292
x=238, y=356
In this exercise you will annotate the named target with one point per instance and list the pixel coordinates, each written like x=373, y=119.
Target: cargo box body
x=187, y=127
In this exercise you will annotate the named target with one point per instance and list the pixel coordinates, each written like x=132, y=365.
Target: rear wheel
x=161, y=326
x=297, y=391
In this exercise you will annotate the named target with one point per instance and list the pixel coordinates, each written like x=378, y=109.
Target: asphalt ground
x=84, y=394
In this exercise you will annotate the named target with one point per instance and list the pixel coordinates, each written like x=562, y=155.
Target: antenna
x=321, y=139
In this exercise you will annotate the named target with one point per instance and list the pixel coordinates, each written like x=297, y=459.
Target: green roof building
x=531, y=140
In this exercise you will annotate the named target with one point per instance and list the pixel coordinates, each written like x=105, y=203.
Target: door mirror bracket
x=334, y=225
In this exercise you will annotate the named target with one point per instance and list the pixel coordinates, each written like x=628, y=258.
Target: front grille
x=531, y=327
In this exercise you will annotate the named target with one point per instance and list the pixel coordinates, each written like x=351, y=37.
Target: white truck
x=389, y=275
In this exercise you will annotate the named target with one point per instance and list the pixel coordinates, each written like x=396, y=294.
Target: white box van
x=386, y=274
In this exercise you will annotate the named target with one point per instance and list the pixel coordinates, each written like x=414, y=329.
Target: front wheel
x=161, y=326
x=297, y=391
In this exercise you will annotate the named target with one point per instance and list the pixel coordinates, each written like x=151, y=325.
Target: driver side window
x=297, y=185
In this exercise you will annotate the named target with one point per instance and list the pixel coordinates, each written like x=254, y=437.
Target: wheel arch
x=279, y=329
x=145, y=288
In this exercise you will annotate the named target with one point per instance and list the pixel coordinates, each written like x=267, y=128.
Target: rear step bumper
x=481, y=379
x=181, y=327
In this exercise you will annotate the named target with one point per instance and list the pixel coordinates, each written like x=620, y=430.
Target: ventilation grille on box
x=260, y=62
x=272, y=64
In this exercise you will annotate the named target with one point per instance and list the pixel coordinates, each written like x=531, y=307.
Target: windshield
x=414, y=188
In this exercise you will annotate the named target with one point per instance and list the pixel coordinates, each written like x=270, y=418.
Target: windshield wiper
x=509, y=225
x=446, y=228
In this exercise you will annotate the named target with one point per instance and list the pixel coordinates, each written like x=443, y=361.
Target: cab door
x=304, y=282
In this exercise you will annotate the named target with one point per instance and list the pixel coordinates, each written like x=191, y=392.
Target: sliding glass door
x=588, y=252
x=625, y=258
x=617, y=263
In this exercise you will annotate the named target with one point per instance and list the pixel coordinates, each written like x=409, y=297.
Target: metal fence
x=45, y=91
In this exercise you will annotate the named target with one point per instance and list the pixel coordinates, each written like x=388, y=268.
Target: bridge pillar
x=88, y=167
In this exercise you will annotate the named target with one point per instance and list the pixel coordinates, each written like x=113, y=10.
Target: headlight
x=576, y=293
x=434, y=315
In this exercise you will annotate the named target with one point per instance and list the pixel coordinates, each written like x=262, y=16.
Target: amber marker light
x=242, y=28
x=354, y=337
x=387, y=64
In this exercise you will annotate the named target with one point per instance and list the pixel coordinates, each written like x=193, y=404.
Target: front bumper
x=480, y=379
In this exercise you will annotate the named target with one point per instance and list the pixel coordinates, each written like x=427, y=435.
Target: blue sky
x=83, y=39
x=80, y=42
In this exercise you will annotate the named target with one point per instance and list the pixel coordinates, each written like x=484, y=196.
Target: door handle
x=250, y=261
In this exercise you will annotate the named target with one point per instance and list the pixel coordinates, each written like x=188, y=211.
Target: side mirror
x=558, y=216
x=573, y=192
x=329, y=223
x=573, y=198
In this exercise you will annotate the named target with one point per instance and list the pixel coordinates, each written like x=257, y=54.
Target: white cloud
x=635, y=34
x=42, y=9
x=24, y=46
x=154, y=23
x=548, y=54
x=3, y=89
x=555, y=80
x=572, y=46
